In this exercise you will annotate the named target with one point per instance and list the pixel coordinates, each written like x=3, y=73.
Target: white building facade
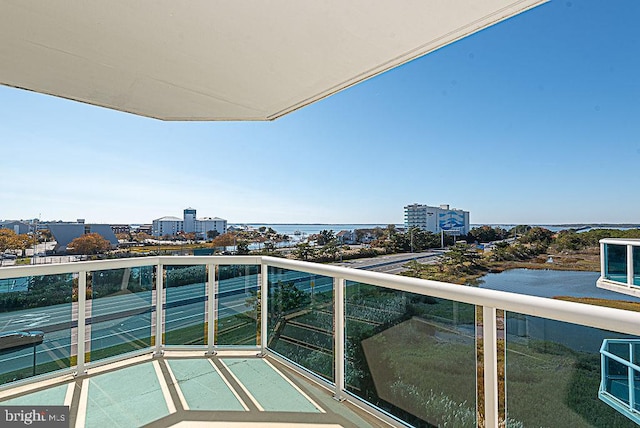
x=171, y=226
x=206, y=224
x=167, y=226
x=437, y=219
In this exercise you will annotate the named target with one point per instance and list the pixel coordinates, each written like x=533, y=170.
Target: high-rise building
x=437, y=219
x=189, y=220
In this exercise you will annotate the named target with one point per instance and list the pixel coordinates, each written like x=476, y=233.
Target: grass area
x=119, y=349
x=48, y=367
x=582, y=260
x=616, y=304
x=191, y=335
x=237, y=330
x=551, y=385
x=587, y=259
x=425, y=370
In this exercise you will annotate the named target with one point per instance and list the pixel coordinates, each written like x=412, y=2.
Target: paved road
x=392, y=263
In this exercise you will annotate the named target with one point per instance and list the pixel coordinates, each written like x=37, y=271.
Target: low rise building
x=19, y=227
x=121, y=228
x=64, y=233
x=170, y=226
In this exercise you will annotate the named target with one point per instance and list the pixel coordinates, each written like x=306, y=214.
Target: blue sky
x=535, y=120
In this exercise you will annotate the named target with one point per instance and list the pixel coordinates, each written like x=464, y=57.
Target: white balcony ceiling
x=223, y=60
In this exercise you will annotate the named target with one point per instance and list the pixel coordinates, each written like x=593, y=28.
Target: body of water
x=550, y=283
x=310, y=229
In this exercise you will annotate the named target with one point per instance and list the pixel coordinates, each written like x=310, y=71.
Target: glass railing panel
x=185, y=305
x=37, y=332
x=238, y=305
x=636, y=266
x=121, y=311
x=553, y=373
x=411, y=355
x=300, y=320
x=616, y=262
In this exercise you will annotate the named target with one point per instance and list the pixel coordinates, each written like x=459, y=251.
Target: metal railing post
x=630, y=272
x=631, y=377
x=264, y=310
x=82, y=305
x=338, y=287
x=490, y=347
x=159, y=301
x=603, y=260
x=212, y=315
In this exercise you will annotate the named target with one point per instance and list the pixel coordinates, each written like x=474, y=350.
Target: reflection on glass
x=121, y=311
x=553, y=374
x=300, y=320
x=616, y=262
x=36, y=330
x=185, y=305
x=412, y=355
x=238, y=305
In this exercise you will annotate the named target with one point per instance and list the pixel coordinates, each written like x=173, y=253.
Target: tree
x=461, y=258
x=141, y=237
x=224, y=240
x=242, y=248
x=285, y=297
x=331, y=249
x=304, y=251
x=537, y=235
x=269, y=247
x=211, y=234
x=91, y=243
x=8, y=240
x=488, y=233
x=325, y=236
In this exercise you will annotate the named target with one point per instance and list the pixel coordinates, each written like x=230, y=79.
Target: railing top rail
x=621, y=241
x=8, y=272
x=577, y=313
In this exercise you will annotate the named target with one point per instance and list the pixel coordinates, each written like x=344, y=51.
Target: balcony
x=185, y=340
x=620, y=265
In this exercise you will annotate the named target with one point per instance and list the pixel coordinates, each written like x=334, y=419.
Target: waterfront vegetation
x=532, y=248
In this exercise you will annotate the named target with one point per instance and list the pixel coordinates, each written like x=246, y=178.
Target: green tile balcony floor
x=193, y=391
x=198, y=380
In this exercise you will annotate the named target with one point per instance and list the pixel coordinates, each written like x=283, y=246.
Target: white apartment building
x=437, y=219
x=167, y=226
x=189, y=223
x=205, y=224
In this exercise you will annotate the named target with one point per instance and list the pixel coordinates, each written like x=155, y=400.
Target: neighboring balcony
x=620, y=265
x=248, y=339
